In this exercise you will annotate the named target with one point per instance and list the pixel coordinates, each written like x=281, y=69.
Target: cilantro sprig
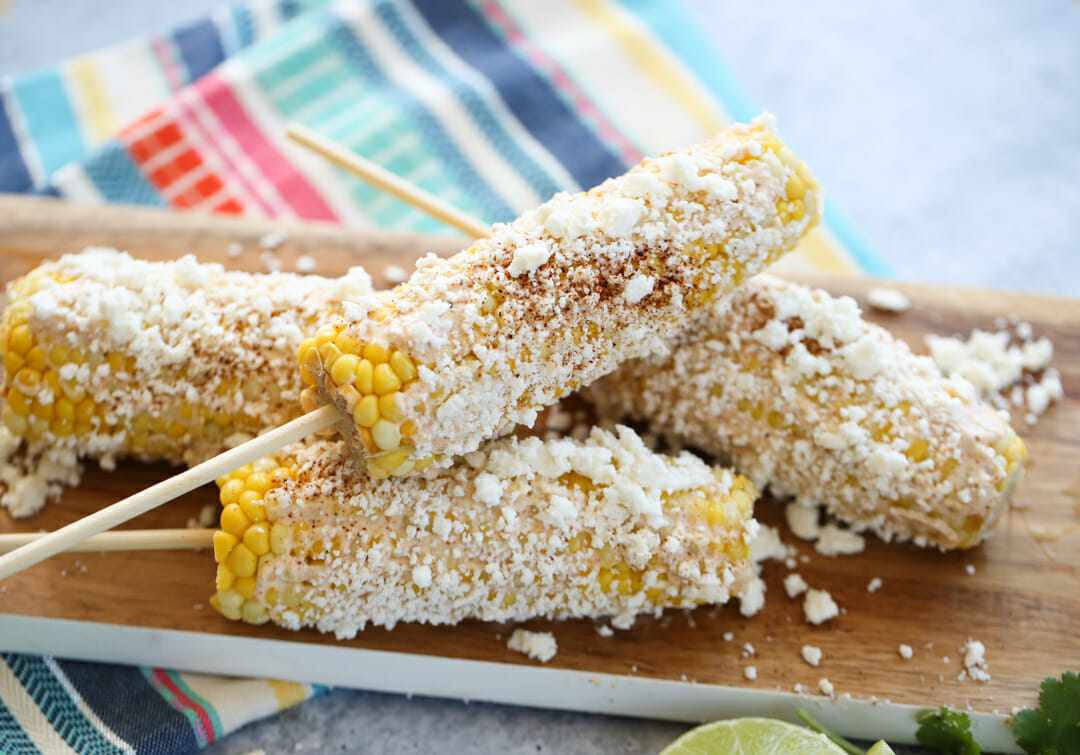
x=1054, y=727
x=946, y=731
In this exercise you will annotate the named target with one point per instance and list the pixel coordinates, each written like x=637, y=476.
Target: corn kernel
x=45, y=411
x=347, y=343
x=257, y=538
x=27, y=380
x=245, y=587
x=376, y=354
x=223, y=543
x=365, y=377
x=62, y=427
x=255, y=612
x=385, y=380
x=17, y=401
x=251, y=504
x=329, y=354
x=402, y=366
x=225, y=578
x=20, y=341
x=259, y=482
x=230, y=600
x=366, y=412
x=279, y=534
x=344, y=370
x=325, y=334
x=388, y=407
x=388, y=462
x=13, y=362
x=37, y=359
x=233, y=520
x=386, y=435
x=16, y=423
x=231, y=491
x=85, y=410
x=241, y=561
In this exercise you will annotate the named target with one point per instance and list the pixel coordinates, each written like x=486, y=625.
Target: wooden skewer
x=123, y=540
x=71, y=535
x=387, y=181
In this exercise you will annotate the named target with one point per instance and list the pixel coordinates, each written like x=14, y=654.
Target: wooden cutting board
x=1019, y=593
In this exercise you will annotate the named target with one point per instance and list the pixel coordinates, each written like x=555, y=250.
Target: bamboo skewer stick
x=122, y=540
x=72, y=534
x=387, y=181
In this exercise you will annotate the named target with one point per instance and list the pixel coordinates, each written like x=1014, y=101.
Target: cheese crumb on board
x=874, y=584
x=811, y=655
x=802, y=520
x=540, y=646
x=305, y=263
x=975, y=661
x=887, y=299
x=395, y=274
x=819, y=606
x=836, y=541
x=906, y=652
x=826, y=687
x=750, y=672
x=795, y=585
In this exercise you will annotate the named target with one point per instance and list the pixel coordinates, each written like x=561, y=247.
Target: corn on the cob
x=473, y=345
x=794, y=389
x=521, y=528
x=161, y=361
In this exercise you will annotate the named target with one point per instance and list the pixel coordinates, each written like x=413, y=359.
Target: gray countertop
x=949, y=132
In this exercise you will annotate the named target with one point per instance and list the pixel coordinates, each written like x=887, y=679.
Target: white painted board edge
x=405, y=673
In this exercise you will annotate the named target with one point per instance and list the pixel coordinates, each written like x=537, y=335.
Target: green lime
x=752, y=736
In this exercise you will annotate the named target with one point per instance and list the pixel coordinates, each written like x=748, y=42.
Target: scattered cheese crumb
x=819, y=606
x=638, y=288
x=748, y=650
x=752, y=598
x=874, y=585
x=273, y=239
x=729, y=636
x=604, y=630
x=305, y=263
x=802, y=520
x=395, y=274
x=975, y=661
x=811, y=655
x=887, y=299
x=207, y=517
x=235, y=249
x=270, y=261
x=540, y=646
x=750, y=672
x=906, y=652
x=826, y=687
x=835, y=541
x=795, y=585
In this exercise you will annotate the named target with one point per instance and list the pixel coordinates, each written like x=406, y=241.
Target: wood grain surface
x=1022, y=600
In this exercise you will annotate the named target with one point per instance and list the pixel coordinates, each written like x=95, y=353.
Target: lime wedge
x=752, y=736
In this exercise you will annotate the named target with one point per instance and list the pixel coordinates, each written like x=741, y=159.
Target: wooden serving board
x=1022, y=601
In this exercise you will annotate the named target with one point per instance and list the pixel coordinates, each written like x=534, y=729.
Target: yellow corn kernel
x=385, y=380
x=223, y=543
x=231, y=491
x=257, y=538
x=245, y=587
x=37, y=359
x=242, y=561
x=350, y=396
x=402, y=366
x=225, y=578
x=62, y=427
x=365, y=377
x=58, y=356
x=115, y=359
x=343, y=371
x=251, y=504
x=233, y=520
x=254, y=612
x=347, y=343
x=376, y=354
x=279, y=535
x=388, y=407
x=20, y=341
x=13, y=362
x=325, y=334
x=259, y=482
x=329, y=354
x=27, y=380
x=386, y=435
x=919, y=450
x=366, y=412
x=17, y=401
x=85, y=410
x=45, y=411
x=16, y=423
x=230, y=600
x=390, y=461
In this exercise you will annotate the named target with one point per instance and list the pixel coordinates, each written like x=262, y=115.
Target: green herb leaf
x=836, y=739
x=1054, y=727
x=946, y=731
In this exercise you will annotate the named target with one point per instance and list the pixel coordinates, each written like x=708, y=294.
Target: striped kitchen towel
x=493, y=105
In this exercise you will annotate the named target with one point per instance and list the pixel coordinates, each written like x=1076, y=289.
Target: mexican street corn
x=473, y=345
x=519, y=529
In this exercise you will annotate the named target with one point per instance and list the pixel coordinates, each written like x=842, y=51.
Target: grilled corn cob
x=473, y=345
x=799, y=393
x=161, y=361
x=519, y=529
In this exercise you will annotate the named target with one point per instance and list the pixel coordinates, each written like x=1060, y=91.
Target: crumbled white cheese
x=811, y=654
x=826, y=687
x=638, y=288
x=975, y=661
x=540, y=646
x=752, y=598
x=768, y=545
x=750, y=673
x=887, y=299
x=305, y=263
x=802, y=520
x=395, y=274
x=970, y=569
x=421, y=576
x=874, y=585
x=795, y=585
x=819, y=606
x=835, y=541
x=528, y=258
x=604, y=630
x=235, y=249
x=273, y=239
x=906, y=652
